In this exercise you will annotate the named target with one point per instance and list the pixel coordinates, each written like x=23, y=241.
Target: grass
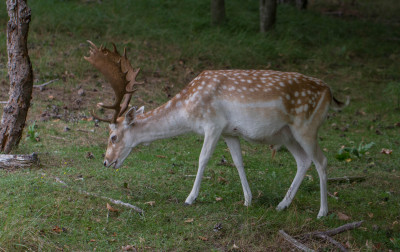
x=172, y=41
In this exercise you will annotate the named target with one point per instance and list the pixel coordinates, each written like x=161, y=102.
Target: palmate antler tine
x=119, y=73
x=125, y=103
x=92, y=44
x=99, y=118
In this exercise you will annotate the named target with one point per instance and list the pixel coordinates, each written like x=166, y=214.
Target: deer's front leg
x=236, y=153
x=210, y=141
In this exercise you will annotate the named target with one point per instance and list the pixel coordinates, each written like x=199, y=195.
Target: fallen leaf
x=151, y=203
x=371, y=215
x=222, y=180
x=348, y=244
x=189, y=220
x=109, y=207
x=57, y=229
x=218, y=199
x=92, y=240
x=342, y=216
x=335, y=193
x=235, y=246
x=310, y=177
x=360, y=112
x=128, y=248
x=161, y=156
x=51, y=97
x=348, y=160
x=203, y=238
x=386, y=151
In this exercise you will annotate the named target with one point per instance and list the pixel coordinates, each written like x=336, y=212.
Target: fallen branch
x=41, y=86
x=117, y=202
x=347, y=179
x=294, y=242
x=333, y=241
x=341, y=229
x=3, y=102
x=18, y=161
x=326, y=235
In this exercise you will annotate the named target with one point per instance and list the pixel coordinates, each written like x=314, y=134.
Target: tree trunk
x=20, y=74
x=217, y=12
x=267, y=15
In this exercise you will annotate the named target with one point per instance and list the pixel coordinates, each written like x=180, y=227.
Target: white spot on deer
x=303, y=93
x=251, y=90
x=244, y=88
x=305, y=107
x=296, y=94
x=288, y=96
x=178, y=96
x=281, y=84
x=298, y=101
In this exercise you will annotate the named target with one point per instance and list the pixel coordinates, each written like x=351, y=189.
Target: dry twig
x=347, y=179
x=117, y=202
x=326, y=235
x=294, y=242
x=41, y=86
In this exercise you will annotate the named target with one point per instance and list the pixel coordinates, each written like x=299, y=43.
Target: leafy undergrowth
x=172, y=42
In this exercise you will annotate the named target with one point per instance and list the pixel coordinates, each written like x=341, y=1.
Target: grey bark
x=267, y=15
x=217, y=12
x=20, y=74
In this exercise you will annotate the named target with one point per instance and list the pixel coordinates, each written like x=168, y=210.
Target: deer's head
x=120, y=74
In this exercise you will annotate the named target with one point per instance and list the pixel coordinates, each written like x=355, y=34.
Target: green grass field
x=356, y=53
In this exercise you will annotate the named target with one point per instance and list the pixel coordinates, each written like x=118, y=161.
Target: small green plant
x=345, y=153
x=393, y=90
x=32, y=134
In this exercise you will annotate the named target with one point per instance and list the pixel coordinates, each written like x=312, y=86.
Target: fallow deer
x=263, y=106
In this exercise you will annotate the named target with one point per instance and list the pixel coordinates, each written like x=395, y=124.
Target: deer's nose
x=105, y=163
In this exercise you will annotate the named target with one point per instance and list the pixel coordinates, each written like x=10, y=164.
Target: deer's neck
x=160, y=123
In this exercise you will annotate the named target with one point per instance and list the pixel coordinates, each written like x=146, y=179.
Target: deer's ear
x=131, y=115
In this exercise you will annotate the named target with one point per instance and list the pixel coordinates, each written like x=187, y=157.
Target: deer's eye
x=113, y=138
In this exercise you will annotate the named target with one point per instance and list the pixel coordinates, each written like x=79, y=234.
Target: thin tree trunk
x=267, y=15
x=20, y=74
x=217, y=12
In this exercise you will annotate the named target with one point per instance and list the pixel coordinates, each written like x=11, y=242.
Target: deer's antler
x=119, y=72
